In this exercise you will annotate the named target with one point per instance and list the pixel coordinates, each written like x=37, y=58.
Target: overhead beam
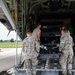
x=7, y=13
x=70, y=0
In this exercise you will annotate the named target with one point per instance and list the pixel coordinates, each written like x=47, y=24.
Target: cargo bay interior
x=52, y=17
x=52, y=14
x=50, y=36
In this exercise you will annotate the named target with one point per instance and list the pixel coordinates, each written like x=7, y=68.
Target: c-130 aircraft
x=19, y=15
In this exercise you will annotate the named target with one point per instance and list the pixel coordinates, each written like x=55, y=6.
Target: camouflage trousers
x=66, y=59
x=31, y=65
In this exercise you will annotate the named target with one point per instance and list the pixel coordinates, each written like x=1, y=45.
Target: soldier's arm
x=37, y=45
x=38, y=36
x=62, y=44
x=73, y=44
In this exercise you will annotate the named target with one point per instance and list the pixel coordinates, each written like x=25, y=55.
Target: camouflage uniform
x=31, y=49
x=66, y=53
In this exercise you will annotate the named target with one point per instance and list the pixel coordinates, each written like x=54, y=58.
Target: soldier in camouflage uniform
x=66, y=50
x=31, y=49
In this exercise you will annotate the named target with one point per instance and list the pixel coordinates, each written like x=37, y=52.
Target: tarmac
x=7, y=60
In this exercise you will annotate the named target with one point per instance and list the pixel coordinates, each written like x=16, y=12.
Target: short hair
x=64, y=28
x=28, y=31
x=38, y=24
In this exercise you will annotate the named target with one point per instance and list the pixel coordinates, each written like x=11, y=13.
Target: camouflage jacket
x=66, y=42
x=30, y=47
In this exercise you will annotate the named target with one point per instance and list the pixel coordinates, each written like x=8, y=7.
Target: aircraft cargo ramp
x=49, y=65
x=19, y=15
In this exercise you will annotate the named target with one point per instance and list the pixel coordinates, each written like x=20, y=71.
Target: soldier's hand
x=43, y=47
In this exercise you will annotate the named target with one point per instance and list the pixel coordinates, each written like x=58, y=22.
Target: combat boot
x=69, y=74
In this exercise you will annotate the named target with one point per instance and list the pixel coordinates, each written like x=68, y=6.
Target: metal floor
x=48, y=65
x=22, y=72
